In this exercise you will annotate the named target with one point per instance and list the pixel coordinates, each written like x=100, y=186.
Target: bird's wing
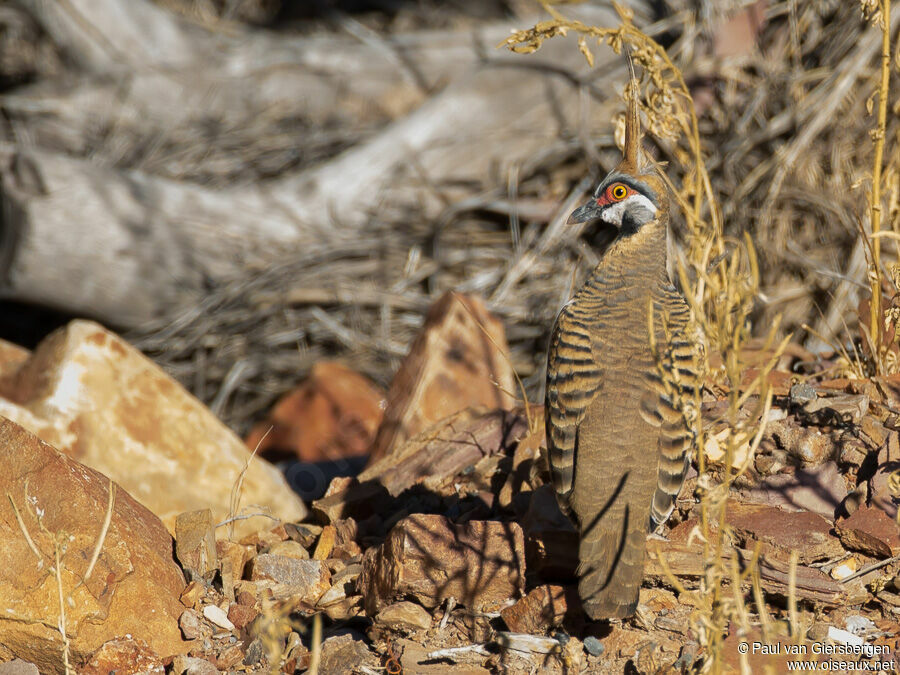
x=670, y=402
x=573, y=380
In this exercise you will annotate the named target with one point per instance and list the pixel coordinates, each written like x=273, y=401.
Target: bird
x=618, y=420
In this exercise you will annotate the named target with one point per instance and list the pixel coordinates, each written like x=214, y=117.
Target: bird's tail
x=612, y=565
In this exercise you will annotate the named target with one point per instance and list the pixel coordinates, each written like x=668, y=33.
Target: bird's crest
x=631, y=161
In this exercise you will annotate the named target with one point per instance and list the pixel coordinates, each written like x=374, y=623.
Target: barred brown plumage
x=617, y=401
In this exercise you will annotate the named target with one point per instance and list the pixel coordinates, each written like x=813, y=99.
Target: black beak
x=585, y=212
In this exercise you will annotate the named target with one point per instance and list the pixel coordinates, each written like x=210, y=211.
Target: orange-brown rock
x=425, y=556
x=93, y=396
x=60, y=506
x=544, y=607
x=457, y=361
x=780, y=531
x=871, y=531
x=241, y=615
x=334, y=414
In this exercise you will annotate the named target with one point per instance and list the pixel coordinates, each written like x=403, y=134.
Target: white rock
x=218, y=617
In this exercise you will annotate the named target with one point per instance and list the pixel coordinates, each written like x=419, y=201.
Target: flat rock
x=133, y=589
x=781, y=531
x=457, y=361
x=217, y=616
x=405, y=614
x=332, y=415
x=124, y=656
x=96, y=398
x=542, y=608
x=480, y=563
x=308, y=579
x=414, y=659
x=871, y=531
x=343, y=654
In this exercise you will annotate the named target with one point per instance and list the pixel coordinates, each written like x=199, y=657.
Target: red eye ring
x=618, y=192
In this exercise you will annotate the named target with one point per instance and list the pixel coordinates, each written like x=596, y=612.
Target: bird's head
x=625, y=200
x=629, y=197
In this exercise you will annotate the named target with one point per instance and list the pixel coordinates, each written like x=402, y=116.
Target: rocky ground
x=446, y=554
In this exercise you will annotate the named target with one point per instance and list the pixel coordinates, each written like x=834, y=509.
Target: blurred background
x=244, y=188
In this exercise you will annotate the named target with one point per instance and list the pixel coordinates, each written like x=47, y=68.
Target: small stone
x=818, y=632
x=348, y=573
x=844, y=569
x=303, y=533
x=343, y=654
x=572, y=653
x=190, y=665
x=241, y=615
x=195, y=543
x=345, y=530
x=593, y=646
x=289, y=549
x=326, y=543
x=871, y=531
x=334, y=594
x=802, y=393
x=218, y=616
x=246, y=597
x=254, y=653
x=307, y=579
x=232, y=559
x=404, y=614
x=544, y=607
x=192, y=593
x=18, y=667
x=229, y=657
x=346, y=551
x=279, y=531
x=190, y=624
x=236, y=554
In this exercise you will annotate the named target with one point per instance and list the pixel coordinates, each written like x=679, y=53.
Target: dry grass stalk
x=237, y=488
x=104, y=529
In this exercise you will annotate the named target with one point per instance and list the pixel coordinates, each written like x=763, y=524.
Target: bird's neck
x=640, y=258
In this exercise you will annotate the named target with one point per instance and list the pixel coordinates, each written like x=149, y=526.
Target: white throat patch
x=613, y=214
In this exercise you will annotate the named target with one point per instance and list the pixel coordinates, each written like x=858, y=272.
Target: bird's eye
x=619, y=192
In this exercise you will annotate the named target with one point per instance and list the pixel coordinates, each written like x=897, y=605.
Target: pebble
x=218, y=617
x=593, y=646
